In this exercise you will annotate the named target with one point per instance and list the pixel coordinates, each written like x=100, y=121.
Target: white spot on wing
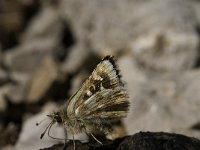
x=100, y=106
x=89, y=93
x=77, y=111
x=109, y=67
x=89, y=100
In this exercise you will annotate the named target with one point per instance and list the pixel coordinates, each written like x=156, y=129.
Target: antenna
x=55, y=137
x=50, y=124
x=38, y=123
x=49, y=128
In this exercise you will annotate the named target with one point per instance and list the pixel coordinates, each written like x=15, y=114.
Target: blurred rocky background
x=49, y=47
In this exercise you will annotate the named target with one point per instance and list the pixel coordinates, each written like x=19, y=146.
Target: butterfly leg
x=65, y=140
x=74, y=142
x=65, y=144
x=96, y=139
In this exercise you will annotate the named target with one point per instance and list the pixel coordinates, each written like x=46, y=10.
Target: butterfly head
x=55, y=116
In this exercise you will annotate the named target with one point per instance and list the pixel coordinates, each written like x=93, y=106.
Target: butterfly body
x=100, y=101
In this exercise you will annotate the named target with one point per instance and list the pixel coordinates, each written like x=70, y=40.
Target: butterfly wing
x=102, y=96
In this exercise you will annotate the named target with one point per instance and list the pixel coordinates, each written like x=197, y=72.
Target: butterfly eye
x=57, y=117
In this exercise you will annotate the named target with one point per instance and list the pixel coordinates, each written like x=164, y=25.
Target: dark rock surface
x=138, y=141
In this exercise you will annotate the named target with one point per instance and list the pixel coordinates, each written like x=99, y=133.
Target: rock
x=79, y=146
x=1, y=55
x=196, y=7
x=17, y=89
x=14, y=17
x=2, y=103
x=3, y=91
x=32, y=88
x=97, y=23
x=166, y=51
x=161, y=104
x=187, y=87
x=38, y=41
x=72, y=62
x=156, y=38
x=131, y=73
x=138, y=141
x=7, y=147
x=42, y=80
x=160, y=140
x=8, y=135
x=30, y=54
x=45, y=26
x=30, y=135
x=4, y=77
x=166, y=43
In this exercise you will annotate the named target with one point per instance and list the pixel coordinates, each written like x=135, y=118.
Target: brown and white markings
x=100, y=101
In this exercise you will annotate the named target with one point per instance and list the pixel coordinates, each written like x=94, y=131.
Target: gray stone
x=188, y=90
x=75, y=58
x=41, y=81
x=196, y=7
x=3, y=91
x=158, y=38
x=30, y=135
x=166, y=102
x=17, y=90
x=41, y=38
x=46, y=26
x=26, y=58
x=166, y=50
x=3, y=77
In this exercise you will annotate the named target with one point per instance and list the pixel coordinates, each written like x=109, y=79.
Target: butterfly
x=100, y=101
